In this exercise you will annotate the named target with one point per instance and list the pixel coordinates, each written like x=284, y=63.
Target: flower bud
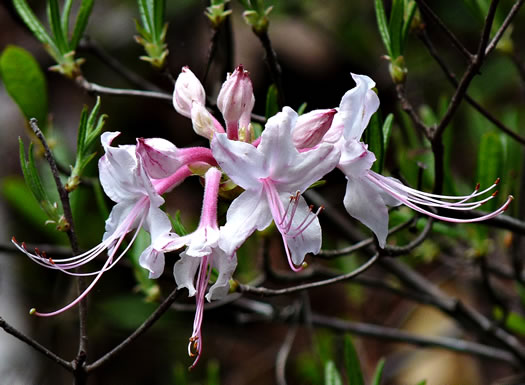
x=160, y=157
x=204, y=124
x=311, y=127
x=188, y=90
x=236, y=99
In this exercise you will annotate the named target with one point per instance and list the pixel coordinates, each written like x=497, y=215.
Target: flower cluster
x=272, y=171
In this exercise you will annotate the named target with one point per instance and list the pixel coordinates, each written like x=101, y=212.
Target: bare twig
x=386, y=333
x=35, y=345
x=394, y=251
x=423, y=6
x=284, y=351
x=273, y=292
x=98, y=89
x=494, y=42
x=273, y=65
x=78, y=363
x=163, y=307
x=90, y=45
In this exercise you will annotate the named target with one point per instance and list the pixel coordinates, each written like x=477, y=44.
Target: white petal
x=157, y=222
x=355, y=159
x=153, y=261
x=364, y=202
x=248, y=212
x=242, y=162
x=184, y=271
x=309, y=241
x=357, y=106
x=225, y=264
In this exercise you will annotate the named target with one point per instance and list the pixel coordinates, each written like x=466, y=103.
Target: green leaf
x=213, y=373
x=25, y=83
x=424, y=382
x=514, y=322
x=331, y=376
x=53, y=16
x=301, y=108
x=34, y=24
x=145, y=15
x=490, y=163
x=176, y=222
x=158, y=21
x=387, y=130
x=378, y=373
x=81, y=23
x=353, y=368
x=374, y=138
x=66, y=12
x=396, y=27
x=272, y=104
x=410, y=12
x=383, y=26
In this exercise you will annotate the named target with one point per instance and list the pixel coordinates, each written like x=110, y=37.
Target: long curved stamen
x=284, y=217
x=380, y=182
x=195, y=344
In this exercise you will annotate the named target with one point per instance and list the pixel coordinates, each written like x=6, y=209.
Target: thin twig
x=163, y=307
x=273, y=65
x=79, y=361
x=284, y=351
x=98, y=89
x=90, y=45
x=453, y=80
x=423, y=6
x=471, y=71
x=494, y=42
x=394, y=251
x=35, y=345
x=409, y=109
x=387, y=333
x=273, y=292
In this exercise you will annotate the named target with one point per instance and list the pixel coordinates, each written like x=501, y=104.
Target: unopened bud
x=236, y=99
x=188, y=90
x=398, y=71
x=203, y=122
x=160, y=157
x=311, y=127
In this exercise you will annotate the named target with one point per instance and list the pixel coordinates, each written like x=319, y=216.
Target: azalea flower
x=369, y=194
x=202, y=253
x=137, y=199
x=274, y=175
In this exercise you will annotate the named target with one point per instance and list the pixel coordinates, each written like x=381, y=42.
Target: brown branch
x=79, y=362
x=494, y=42
x=163, y=307
x=273, y=65
x=263, y=291
x=98, y=89
x=35, y=345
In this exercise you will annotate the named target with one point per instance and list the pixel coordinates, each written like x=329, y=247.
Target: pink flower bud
x=311, y=127
x=160, y=157
x=236, y=100
x=188, y=90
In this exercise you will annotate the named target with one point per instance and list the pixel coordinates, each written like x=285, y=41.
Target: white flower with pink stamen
x=273, y=174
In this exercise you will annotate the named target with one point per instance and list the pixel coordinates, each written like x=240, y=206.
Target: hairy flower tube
x=274, y=175
x=137, y=199
x=202, y=253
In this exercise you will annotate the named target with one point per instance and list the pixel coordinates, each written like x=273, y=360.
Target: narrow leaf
x=81, y=23
x=25, y=83
x=331, y=376
x=387, y=130
x=382, y=25
x=378, y=373
x=490, y=163
x=66, y=12
x=53, y=16
x=158, y=19
x=33, y=23
x=396, y=26
x=82, y=132
x=410, y=12
x=272, y=104
x=145, y=15
x=353, y=368
x=374, y=138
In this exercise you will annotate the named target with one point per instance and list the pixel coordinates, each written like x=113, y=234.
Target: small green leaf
x=81, y=23
x=490, y=163
x=272, y=104
x=53, y=16
x=353, y=368
x=331, y=376
x=387, y=130
x=395, y=27
x=145, y=15
x=409, y=15
x=25, y=83
x=514, y=322
x=424, y=382
x=378, y=373
x=382, y=25
x=176, y=222
x=301, y=108
x=158, y=22
x=34, y=24
x=374, y=138
x=66, y=12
